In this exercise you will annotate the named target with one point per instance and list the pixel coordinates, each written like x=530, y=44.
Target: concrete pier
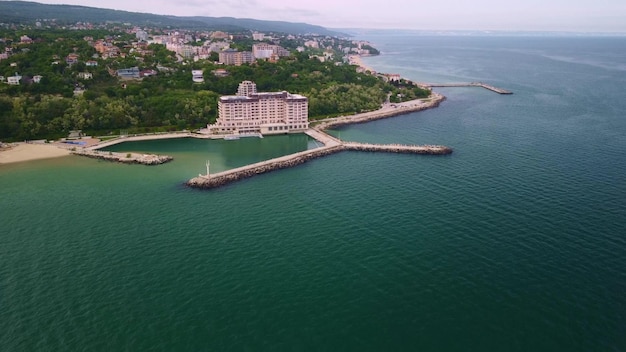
x=471, y=84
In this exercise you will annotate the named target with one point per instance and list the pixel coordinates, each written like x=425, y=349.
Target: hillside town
x=108, y=77
x=188, y=46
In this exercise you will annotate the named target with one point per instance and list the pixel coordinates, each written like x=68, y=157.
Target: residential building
x=258, y=36
x=25, y=40
x=217, y=46
x=197, y=76
x=246, y=88
x=393, y=77
x=71, y=59
x=85, y=75
x=266, y=113
x=187, y=51
x=220, y=72
x=128, y=73
x=147, y=73
x=141, y=35
x=219, y=35
x=312, y=44
x=234, y=57
x=14, y=80
x=265, y=50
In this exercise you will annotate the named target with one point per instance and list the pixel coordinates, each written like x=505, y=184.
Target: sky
x=509, y=15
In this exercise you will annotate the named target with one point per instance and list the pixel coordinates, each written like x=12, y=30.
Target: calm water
x=516, y=242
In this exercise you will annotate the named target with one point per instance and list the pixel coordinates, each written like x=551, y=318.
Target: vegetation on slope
x=166, y=101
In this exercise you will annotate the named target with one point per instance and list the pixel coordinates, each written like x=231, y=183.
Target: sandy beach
x=17, y=152
x=356, y=60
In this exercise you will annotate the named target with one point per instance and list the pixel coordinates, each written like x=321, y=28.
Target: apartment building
x=234, y=57
x=257, y=112
x=266, y=51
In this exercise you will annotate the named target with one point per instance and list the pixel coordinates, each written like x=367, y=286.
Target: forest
x=166, y=101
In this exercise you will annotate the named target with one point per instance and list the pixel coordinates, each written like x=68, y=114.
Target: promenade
x=386, y=111
x=144, y=137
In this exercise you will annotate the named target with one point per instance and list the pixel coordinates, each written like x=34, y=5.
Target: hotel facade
x=267, y=113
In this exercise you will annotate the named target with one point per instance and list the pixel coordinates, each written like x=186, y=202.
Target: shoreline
x=26, y=151
x=30, y=151
x=358, y=61
x=388, y=110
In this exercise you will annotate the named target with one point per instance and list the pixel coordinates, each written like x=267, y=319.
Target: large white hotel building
x=267, y=113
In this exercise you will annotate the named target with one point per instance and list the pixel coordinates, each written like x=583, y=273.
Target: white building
x=197, y=76
x=85, y=75
x=246, y=88
x=265, y=51
x=312, y=44
x=234, y=57
x=266, y=113
x=142, y=35
x=258, y=36
x=14, y=80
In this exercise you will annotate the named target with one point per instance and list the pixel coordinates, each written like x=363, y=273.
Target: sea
x=515, y=242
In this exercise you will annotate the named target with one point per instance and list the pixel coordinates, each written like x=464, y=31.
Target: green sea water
x=516, y=242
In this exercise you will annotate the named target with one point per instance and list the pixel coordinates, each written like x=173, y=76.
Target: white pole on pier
x=208, y=163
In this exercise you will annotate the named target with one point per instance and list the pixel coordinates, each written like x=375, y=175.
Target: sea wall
x=390, y=110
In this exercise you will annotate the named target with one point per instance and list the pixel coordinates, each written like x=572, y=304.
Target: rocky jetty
x=399, y=148
x=128, y=158
x=226, y=177
x=229, y=176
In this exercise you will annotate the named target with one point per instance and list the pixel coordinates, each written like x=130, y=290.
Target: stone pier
x=331, y=145
x=126, y=158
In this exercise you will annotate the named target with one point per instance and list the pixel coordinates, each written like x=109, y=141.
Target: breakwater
x=398, y=148
x=126, y=158
x=388, y=110
x=229, y=176
x=223, y=178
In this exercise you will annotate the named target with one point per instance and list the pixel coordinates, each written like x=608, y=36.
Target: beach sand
x=18, y=152
x=356, y=60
